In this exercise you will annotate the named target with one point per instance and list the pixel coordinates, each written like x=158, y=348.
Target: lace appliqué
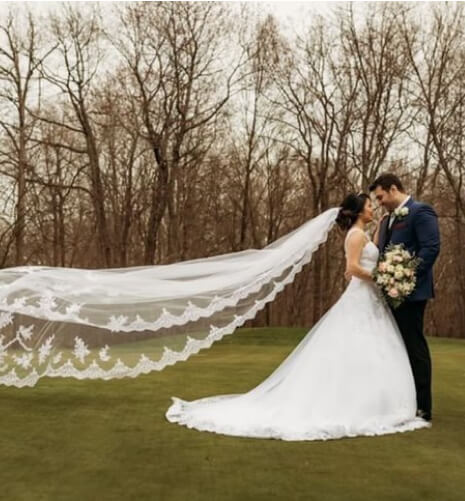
x=60, y=364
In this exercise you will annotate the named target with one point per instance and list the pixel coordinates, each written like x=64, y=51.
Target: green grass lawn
x=93, y=440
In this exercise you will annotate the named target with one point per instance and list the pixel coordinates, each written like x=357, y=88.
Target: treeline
x=166, y=131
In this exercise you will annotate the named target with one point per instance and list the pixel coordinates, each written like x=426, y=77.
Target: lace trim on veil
x=145, y=365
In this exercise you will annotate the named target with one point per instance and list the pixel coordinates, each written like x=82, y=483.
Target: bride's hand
x=381, y=219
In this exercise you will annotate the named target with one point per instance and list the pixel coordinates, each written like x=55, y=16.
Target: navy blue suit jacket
x=419, y=232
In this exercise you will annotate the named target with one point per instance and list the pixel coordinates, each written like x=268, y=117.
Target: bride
x=349, y=376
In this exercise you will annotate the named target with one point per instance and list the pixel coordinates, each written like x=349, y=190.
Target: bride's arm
x=355, y=245
x=376, y=233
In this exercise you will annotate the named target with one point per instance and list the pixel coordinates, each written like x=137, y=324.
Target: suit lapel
x=388, y=231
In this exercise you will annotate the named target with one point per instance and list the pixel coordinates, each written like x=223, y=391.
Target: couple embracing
x=365, y=367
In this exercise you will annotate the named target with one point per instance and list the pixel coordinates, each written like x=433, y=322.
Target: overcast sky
x=290, y=13
x=293, y=16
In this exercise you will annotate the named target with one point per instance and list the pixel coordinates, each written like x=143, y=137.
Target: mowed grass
x=93, y=440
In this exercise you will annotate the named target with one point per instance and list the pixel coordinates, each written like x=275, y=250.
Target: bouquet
x=396, y=274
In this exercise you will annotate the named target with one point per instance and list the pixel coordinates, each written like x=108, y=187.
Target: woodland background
x=174, y=130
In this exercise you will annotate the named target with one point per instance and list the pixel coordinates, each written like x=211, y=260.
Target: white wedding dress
x=349, y=376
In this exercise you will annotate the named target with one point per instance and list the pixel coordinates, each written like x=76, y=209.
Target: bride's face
x=367, y=213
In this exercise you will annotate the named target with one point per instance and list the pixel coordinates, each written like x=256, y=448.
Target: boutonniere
x=401, y=212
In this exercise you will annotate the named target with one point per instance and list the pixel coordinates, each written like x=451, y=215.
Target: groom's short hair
x=385, y=181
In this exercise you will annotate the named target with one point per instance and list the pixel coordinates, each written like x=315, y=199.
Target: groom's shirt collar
x=404, y=202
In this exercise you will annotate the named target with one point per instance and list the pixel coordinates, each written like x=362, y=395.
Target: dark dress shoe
x=424, y=415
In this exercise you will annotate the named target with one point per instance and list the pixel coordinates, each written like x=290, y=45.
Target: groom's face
x=387, y=199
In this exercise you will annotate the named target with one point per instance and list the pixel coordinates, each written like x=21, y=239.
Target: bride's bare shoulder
x=355, y=237
x=357, y=234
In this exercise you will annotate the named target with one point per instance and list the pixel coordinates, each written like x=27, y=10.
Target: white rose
x=406, y=288
x=401, y=211
x=399, y=274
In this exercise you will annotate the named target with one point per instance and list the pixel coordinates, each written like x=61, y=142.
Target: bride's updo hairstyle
x=351, y=207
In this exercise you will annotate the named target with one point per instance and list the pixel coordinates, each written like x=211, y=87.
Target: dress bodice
x=370, y=252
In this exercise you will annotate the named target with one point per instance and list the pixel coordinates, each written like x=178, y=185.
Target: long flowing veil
x=113, y=323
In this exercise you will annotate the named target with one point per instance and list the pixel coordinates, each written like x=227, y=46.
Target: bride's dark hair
x=351, y=207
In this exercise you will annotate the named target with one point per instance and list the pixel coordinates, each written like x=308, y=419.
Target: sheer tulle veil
x=122, y=322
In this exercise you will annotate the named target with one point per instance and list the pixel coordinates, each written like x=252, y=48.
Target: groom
x=415, y=225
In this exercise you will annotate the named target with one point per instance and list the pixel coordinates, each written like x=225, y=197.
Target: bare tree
x=171, y=51
x=78, y=47
x=437, y=57
x=249, y=135
x=375, y=73
x=20, y=57
x=316, y=119
x=183, y=129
